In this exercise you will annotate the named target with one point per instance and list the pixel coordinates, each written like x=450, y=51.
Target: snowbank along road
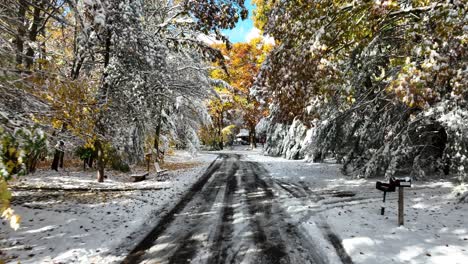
x=230, y=215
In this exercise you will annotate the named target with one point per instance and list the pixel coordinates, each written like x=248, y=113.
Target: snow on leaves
x=372, y=70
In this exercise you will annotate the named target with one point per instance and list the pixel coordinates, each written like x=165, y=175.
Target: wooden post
x=148, y=161
x=401, y=212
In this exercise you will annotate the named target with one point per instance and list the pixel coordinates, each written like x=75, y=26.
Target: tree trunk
x=19, y=38
x=78, y=58
x=33, y=32
x=221, y=145
x=58, y=160
x=220, y=131
x=103, y=96
x=253, y=137
x=90, y=161
x=100, y=160
x=158, y=133
x=32, y=163
x=156, y=143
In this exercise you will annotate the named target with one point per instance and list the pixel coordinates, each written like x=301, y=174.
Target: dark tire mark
x=186, y=252
x=219, y=249
x=187, y=249
x=336, y=243
x=188, y=246
x=309, y=192
x=259, y=206
x=300, y=249
x=304, y=191
x=267, y=235
x=344, y=194
x=295, y=193
x=147, y=242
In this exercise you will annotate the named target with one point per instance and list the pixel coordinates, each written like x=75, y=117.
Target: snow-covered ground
x=102, y=225
x=97, y=226
x=436, y=225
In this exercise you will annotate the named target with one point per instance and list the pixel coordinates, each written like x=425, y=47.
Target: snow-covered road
x=231, y=216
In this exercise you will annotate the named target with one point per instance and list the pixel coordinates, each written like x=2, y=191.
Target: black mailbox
x=385, y=187
x=391, y=187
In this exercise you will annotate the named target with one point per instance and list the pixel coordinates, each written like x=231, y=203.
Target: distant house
x=243, y=137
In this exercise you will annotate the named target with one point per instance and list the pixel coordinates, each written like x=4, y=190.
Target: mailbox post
x=401, y=183
x=394, y=182
x=385, y=187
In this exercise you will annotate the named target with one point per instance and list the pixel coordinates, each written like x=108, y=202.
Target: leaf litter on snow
x=68, y=217
x=435, y=230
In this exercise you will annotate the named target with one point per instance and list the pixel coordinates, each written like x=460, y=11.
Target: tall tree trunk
x=253, y=137
x=33, y=32
x=78, y=57
x=100, y=160
x=19, y=38
x=42, y=54
x=157, y=134
x=220, y=130
x=103, y=96
x=58, y=156
x=55, y=161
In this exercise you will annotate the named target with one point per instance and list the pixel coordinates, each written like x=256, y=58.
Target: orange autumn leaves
x=243, y=62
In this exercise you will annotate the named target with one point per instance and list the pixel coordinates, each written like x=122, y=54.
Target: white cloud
x=269, y=40
x=255, y=33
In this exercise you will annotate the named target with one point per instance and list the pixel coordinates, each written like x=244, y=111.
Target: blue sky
x=239, y=33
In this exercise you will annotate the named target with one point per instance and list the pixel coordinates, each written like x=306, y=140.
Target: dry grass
x=69, y=164
x=83, y=197
x=179, y=165
x=77, y=165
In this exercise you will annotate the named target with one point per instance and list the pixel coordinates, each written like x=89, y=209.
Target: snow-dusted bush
x=293, y=141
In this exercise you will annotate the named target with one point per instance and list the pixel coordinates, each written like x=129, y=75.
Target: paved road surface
x=229, y=216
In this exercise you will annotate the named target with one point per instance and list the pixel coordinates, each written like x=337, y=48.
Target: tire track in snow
x=185, y=249
x=342, y=199
x=231, y=215
x=336, y=243
x=277, y=227
x=293, y=190
x=225, y=230
x=259, y=203
x=166, y=220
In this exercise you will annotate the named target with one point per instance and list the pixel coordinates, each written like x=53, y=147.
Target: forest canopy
x=379, y=85
x=109, y=77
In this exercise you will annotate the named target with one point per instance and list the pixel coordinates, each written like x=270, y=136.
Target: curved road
x=229, y=216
